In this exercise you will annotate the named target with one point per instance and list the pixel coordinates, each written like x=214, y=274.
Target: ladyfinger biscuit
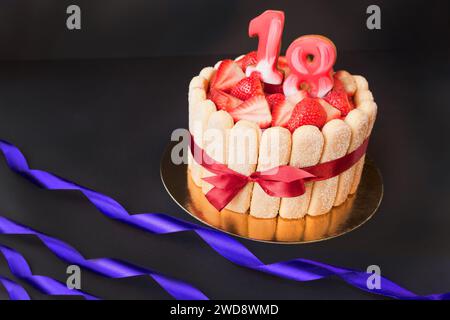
x=262, y=229
x=196, y=95
x=234, y=222
x=198, y=82
x=339, y=217
x=361, y=82
x=337, y=139
x=307, y=144
x=217, y=65
x=215, y=141
x=200, y=206
x=362, y=95
x=316, y=228
x=274, y=151
x=243, y=146
x=201, y=113
x=358, y=122
x=207, y=73
x=289, y=230
x=347, y=81
x=370, y=109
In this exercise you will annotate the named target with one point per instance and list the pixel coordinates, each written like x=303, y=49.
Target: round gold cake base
x=354, y=212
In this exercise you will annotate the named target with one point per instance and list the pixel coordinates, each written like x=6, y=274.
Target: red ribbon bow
x=283, y=181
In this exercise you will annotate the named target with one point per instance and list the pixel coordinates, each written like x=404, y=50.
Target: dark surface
x=105, y=124
x=36, y=29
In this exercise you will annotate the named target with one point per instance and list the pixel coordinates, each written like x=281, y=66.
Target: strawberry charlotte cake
x=263, y=110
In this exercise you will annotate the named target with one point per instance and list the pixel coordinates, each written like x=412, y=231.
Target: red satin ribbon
x=282, y=181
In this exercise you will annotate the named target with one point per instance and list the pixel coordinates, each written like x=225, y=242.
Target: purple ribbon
x=15, y=291
x=226, y=246
x=110, y=268
x=20, y=268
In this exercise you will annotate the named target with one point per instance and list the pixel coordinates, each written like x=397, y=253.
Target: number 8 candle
x=268, y=27
x=311, y=59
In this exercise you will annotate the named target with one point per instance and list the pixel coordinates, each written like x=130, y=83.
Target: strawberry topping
x=247, y=60
x=307, y=112
x=248, y=98
x=281, y=113
x=255, y=109
x=223, y=100
x=339, y=99
x=332, y=112
x=227, y=76
x=248, y=87
x=274, y=99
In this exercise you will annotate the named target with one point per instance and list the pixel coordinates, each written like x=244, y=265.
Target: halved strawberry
x=248, y=87
x=228, y=74
x=247, y=60
x=281, y=113
x=307, y=112
x=297, y=96
x=223, y=100
x=346, y=81
x=255, y=109
x=338, y=85
x=339, y=99
x=332, y=112
x=274, y=99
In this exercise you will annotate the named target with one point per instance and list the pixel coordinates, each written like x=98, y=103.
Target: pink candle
x=268, y=27
x=311, y=59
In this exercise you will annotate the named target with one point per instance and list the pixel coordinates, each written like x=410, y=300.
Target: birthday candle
x=268, y=27
x=311, y=59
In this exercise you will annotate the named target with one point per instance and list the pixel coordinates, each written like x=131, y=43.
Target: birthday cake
x=270, y=118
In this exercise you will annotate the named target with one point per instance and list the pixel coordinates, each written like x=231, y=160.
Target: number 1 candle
x=268, y=27
x=311, y=59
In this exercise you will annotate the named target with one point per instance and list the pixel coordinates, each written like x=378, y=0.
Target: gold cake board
x=354, y=212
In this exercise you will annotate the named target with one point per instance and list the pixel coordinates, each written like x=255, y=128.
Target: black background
x=98, y=105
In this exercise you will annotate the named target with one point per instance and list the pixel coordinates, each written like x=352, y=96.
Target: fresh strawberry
x=273, y=88
x=281, y=113
x=274, y=99
x=346, y=81
x=338, y=85
x=297, y=96
x=255, y=109
x=227, y=75
x=247, y=60
x=339, y=99
x=248, y=87
x=307, y=112
x=332, y=112
x=223, y=100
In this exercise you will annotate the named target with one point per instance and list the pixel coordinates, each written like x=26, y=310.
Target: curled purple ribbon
x=226, y=246
x=20, y=268
x=110, y=268
x=14, y=290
